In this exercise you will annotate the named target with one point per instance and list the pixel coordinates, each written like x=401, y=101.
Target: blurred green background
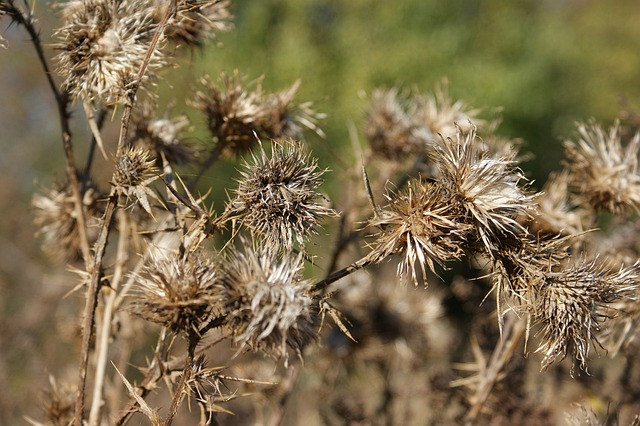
x=546, y=63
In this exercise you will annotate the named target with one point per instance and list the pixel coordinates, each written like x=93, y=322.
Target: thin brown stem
x=341, y=273
x=102, y=345
x=182, y=390
x=96, y=268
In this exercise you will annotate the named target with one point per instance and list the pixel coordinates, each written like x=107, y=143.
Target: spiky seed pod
x=232, y=112
x=268, y=302
x=178, y=292
x=277, y=197
x=557, y=212
x=569, y=306
x=56, y=219
x=134, y=171
x=486, y=189
x=162, y=135
x=388, y=127
x=281, y=117
x=196, y=21
x=419, y=223
x=103, y=44
x=441, y=115
x=603, y=171
x=235, y=114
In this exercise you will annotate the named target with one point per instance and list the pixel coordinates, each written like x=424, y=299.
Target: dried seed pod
x=277, y=196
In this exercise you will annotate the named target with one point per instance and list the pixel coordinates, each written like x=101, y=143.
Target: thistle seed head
x=196, y=21
x=268, y=303
x=56, y=219
x=178, y=292
x=388, y=128
x=486, y=189
x=570, y=305
x=102, y=46
x=603, y=171
x=441, y=115
x=134, y=171
x=277, y=196
x=235, y=114
x=419, y=223
x=162, y=135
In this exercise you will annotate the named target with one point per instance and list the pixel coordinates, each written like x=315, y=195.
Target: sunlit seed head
x=419, y=224
x=268, y=302
x=178, y=292
x=604, y=172
x=162, y=136
x=570, y=305
x=486, y=188
x=102, y=46
x=277, y=197
x=196, y=21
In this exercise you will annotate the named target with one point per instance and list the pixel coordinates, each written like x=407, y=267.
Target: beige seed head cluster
x=235, y=114
x=277, y=196
x=267, y=300
x=102, y=46
x=604, y=171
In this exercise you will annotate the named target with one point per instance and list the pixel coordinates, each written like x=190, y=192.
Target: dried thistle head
x=178, y=292
x=232, y=111
x=102, y=46
x=56, y=219
x=134, y=171
x=196, y=21
x=441, y=115
x=58, y=403
x=281, y=117
x=603, y=171
x=161, y=135
x=388, y=128
x=268, y=302
x=557, y=211
x=236, y=114
x=569, y=306
x=487, y=189
x=277, y=197
x=419, y=223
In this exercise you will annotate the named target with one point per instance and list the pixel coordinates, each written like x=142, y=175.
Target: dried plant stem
x=101, y=244
x=102, y=345
x=504, y=350
x=341, y=273
x=181, y=391
x=91, y=304
x=211, y=159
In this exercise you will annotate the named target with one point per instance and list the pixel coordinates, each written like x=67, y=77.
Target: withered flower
x=196, y=21
x=161, y=135
x=486, y=188
x=388, y=127
x=178, y=292
x=603, y=171
x=103, y=44
x=420, y=224
x=268, y=302
x=557, y=211
x=57, y=222
x=441, y=115
x=569, y=306
x=134, y=171
x=236, y=114
x=277, y=196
